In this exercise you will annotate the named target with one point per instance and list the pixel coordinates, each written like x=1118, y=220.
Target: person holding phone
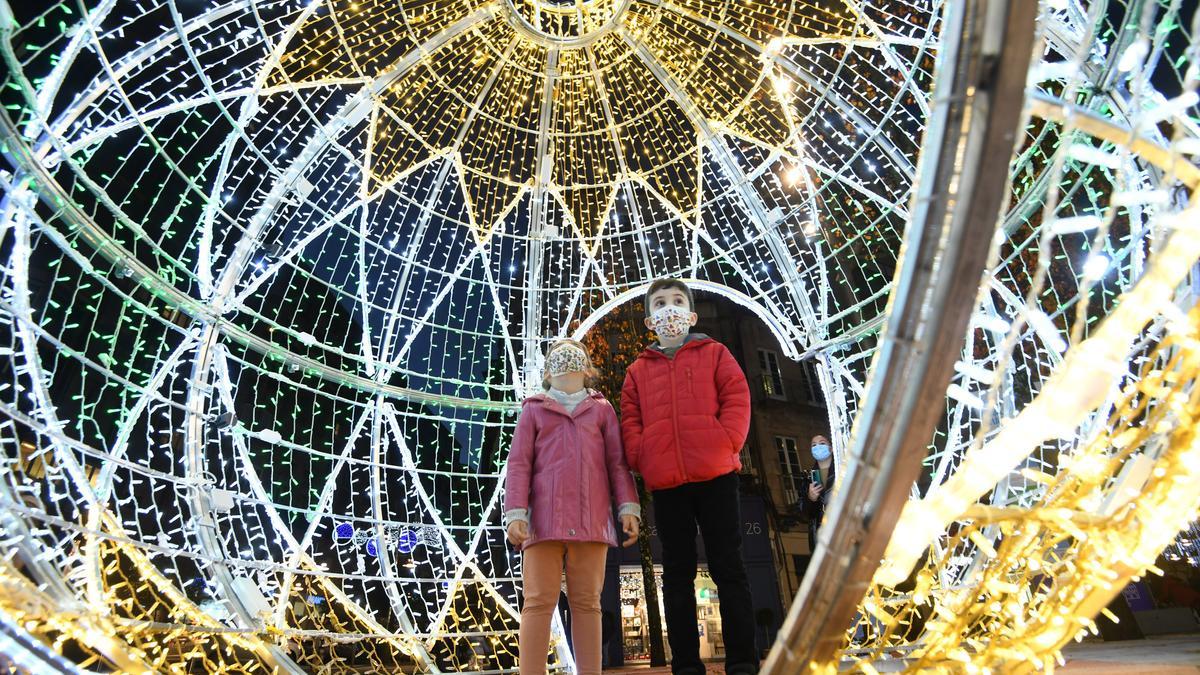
x=820, y=486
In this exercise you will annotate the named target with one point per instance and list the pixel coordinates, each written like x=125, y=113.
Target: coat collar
x=690, y=340
x=549, y=403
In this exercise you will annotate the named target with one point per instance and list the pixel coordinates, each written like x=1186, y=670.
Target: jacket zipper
x=580, y=483
x=579, y=462
x=585, y=486
x=675, y=419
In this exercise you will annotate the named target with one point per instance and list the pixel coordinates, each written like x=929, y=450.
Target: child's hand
x=518, y=532
x=630, y=525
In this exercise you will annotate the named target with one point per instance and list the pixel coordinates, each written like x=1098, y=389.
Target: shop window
x=635, y=624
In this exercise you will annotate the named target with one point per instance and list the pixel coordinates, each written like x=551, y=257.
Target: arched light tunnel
x=277, y=274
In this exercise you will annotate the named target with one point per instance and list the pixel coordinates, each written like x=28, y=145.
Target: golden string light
x=971, y=584
x=278, y=273
x=634, y=101
x=1053, y=566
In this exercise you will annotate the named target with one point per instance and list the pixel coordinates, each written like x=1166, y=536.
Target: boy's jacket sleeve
x=733, y=398
x=631, y=420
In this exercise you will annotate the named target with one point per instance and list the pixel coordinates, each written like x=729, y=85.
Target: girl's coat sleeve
x=624, y=491
x=520, y=463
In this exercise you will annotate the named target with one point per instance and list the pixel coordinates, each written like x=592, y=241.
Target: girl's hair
x=590, y=375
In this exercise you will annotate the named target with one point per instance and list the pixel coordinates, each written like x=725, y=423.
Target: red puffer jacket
x=684, y=419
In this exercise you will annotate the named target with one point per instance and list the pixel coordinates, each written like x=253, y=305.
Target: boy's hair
x=667, y=283
x=590, y=374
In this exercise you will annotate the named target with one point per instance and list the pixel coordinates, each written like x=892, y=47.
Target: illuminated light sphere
x=277, y=274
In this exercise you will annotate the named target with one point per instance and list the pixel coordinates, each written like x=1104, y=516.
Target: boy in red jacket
x=685, y=413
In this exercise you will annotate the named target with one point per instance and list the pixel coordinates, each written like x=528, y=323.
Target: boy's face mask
x=670, y=322
x=566, y=359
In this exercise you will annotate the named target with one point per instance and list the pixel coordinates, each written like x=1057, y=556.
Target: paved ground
x=1174, y=655
x=1157, y=656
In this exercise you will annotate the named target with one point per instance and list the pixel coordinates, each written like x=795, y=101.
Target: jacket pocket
x=733, y=447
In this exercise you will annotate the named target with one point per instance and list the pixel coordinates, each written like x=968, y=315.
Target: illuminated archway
x=783, y=334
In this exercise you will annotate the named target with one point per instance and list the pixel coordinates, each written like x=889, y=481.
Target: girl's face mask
x=670, y=322
x=566, y=359
x=820, y=452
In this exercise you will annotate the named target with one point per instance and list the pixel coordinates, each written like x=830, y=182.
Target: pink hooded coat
x=568, y=469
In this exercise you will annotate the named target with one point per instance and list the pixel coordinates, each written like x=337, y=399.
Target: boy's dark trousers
x=715, y=507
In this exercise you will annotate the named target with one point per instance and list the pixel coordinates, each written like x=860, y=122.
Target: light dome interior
x=278, y=273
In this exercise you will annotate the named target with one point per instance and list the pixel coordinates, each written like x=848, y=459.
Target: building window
x=801, y=563
x=746, y=459
x=810, y=383
x=772, y=376
x=790, y=469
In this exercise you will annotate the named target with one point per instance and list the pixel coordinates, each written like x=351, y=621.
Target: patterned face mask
x=670, y=322
x=566, y=359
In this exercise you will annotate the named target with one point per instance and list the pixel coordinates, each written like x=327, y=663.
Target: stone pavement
x=1165, y=655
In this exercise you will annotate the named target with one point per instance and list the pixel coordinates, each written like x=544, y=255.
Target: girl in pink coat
x=566, y=469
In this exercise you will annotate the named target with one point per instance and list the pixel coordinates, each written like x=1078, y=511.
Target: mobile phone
x=815, y=476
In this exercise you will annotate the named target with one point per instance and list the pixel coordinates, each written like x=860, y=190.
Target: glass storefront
x=635, y=624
